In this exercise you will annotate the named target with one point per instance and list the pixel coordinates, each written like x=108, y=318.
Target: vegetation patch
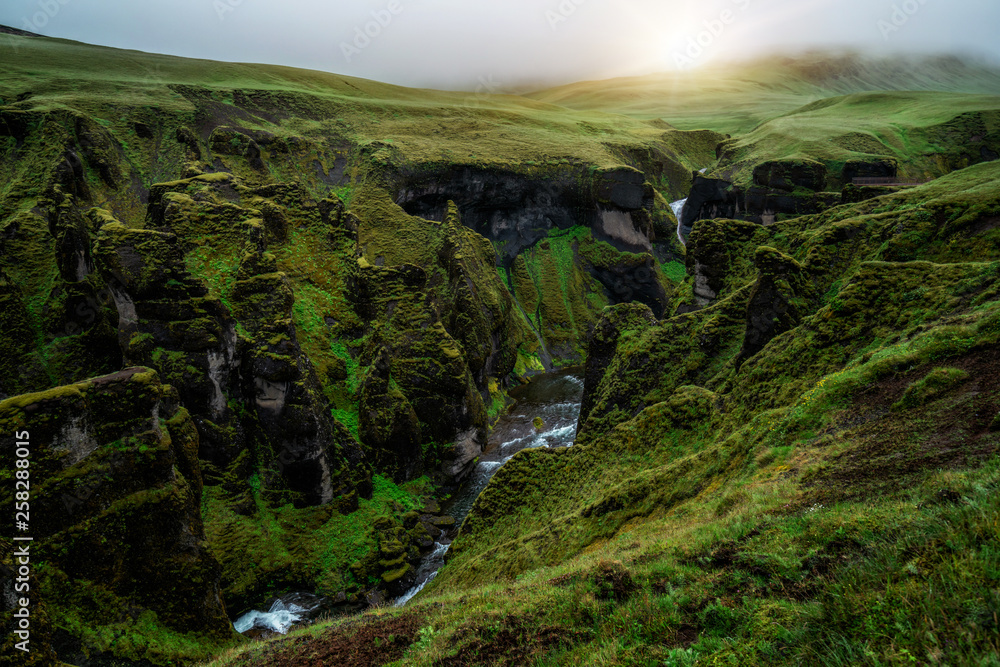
x=379, y=641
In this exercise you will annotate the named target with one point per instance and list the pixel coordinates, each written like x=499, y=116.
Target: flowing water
x=555, y=399
x=678, y=208
x=283, y=614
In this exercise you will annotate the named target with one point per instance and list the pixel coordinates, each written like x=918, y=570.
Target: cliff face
x=116, y=522
x=255, y=318
x=828, y=394
x=877, y=318
x=337, y=317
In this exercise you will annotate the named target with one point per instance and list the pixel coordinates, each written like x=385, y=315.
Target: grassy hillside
x=788, y=444
x=424, y=125
x=238, y=230
x=734, y=97
x=831, y=500
x=927, y=133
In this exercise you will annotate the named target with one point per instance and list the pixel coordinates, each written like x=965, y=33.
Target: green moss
x=348, y=418
x=555, y=287
x=379, y=314
x=280, y=547
x=524, y=286
x=391, y=576
x=675, y=426
x=675, y=271
x=139, y=637
x=930, y=387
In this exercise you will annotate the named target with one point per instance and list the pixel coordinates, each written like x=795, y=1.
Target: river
x=553, y=397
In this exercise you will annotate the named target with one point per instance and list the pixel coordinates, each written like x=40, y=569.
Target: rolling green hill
x=259, y=321
x=927, y=133
x=734, y=97
x=425, y=125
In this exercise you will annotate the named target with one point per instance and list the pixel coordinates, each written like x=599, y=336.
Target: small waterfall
x=555, y=397
x=428, y=570
x=678, y=209
x=279, y=618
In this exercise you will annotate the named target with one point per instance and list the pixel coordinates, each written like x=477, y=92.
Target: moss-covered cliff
x=255, y=319
x=842, y=369
x=337, y=287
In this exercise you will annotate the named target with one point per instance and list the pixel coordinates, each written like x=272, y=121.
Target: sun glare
x=693, y=36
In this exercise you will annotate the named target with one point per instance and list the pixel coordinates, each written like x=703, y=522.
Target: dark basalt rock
x=100, y=149
x=777, y=302
x=710, y=198
x=143, y=130
x=395, y=561
x=501, y=206
x=238, y=143
x=628, y=282
x=717, y=198
x=69, y=174
x=185, y=136
x=516, y=211
x=439, y=332
x=15, y=363
x=116, y=503
x=165, y=319
x=869, y=168
x=622, y=188
x=75, y=317
x=708, y=255
x=388, y=423
x=764, y=205
x=72, y=235
x=305, y=447
x=790, y=174
x=603, y=346
x=852, y=194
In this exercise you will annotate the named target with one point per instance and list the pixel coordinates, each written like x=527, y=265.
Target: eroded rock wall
x=115, y=500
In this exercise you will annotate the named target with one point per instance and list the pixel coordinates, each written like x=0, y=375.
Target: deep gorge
x=274, y=336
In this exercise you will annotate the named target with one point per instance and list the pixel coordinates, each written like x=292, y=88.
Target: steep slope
x=339, y=279
x=278, y=311
x=803, y=471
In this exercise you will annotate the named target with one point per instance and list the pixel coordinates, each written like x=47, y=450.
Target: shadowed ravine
x=553, y=397
x=272, y=332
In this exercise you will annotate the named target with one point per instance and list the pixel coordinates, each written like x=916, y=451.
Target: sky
x=495, y=45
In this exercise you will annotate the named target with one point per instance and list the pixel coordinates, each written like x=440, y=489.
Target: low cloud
x=459, y=44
